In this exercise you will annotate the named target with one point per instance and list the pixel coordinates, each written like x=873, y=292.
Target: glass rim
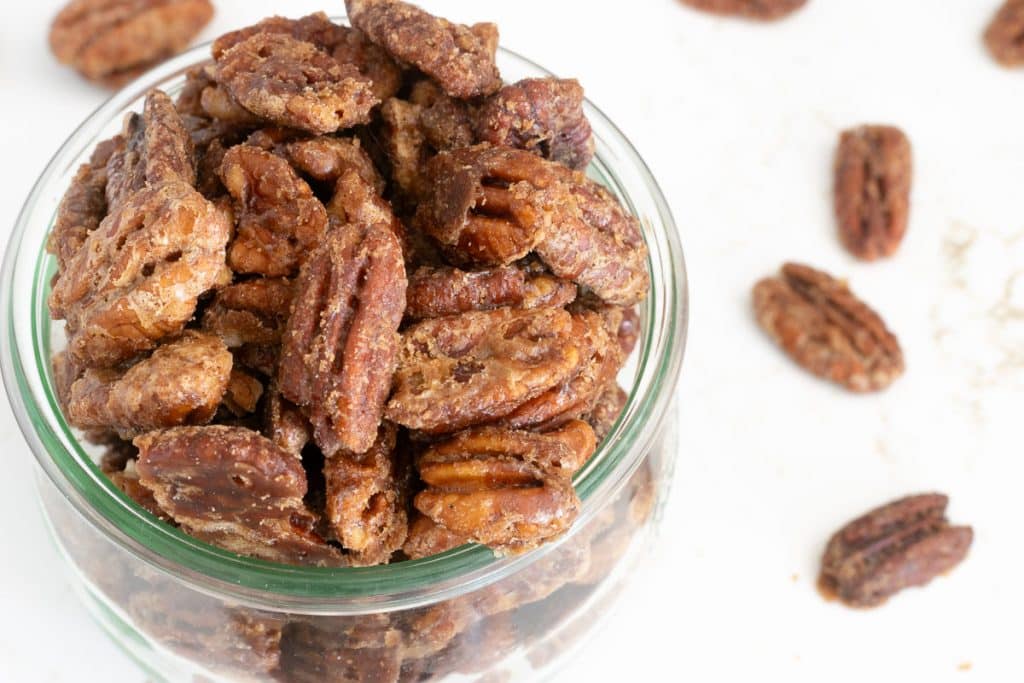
x=346, y=590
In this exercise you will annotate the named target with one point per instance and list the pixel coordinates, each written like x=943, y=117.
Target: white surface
x=738, y=121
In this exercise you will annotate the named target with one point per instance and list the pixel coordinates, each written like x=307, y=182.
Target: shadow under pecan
x=902, y=544
x=157, y=149
x=235, y=489
x=279, y=218
x=341, y=342
x=540, y=115
x=762, y=10
x=113, y=41
x=293, y=83
x=367, y=498
x=138, y=276
x=182, y=382
x=1004, y=35
x=460, y=58
x=873, y=170
x=825, y=328
x=477, y=367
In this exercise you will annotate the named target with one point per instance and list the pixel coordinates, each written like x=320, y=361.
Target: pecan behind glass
x=873, y=171
x=763, y=10
x=825, y=328
x=905, y=543
x=1004, y=36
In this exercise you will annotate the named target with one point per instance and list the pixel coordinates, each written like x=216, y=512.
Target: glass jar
x=186, y=611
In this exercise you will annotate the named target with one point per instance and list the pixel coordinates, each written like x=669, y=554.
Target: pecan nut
x=233, y=488
x=873, y=172
x=605, y=413
x=825, y=328
x=762, y=10
x=1004, y=36
x=250, y=312
x=902, y=544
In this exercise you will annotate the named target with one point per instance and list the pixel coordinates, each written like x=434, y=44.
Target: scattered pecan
x=1004, y=36
x=293, y=83
x=479, y=366
x=825, y=328
x=113, y=41
x=873, y=171
x=367, y=496
x=182, y=382
x=235, y=489
x=905, y=543
x=762, y=10
x=279, y=218
x=460, y=58
x=540, y=115
x=138, y=276
x=341, y=342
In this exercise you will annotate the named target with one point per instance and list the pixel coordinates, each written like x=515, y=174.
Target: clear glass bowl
x=188, y=611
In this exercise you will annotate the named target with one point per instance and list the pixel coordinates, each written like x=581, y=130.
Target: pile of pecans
x=349, y=299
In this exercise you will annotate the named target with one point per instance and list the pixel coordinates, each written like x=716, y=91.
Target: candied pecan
x=404, y=144
x=279, y=218
x=438, y=291
x=373, y=62
x=233, y=488
x=479, y=366
x=182, y=382
x=905, y=543
x=218, y=103
x=357, y=201
x=83, y=206
x=65, y=372
x=250, y=311
x=427, y=537
x=762, y=10
x=311, y=653
x=326, y=158
x=127, y=480
x=189, y=101
x=460, y=58
x=540, y=115
x=600, y=360
x=242, y=393
x=504, y=488
x=314, y=28
x=825, y=328
x=295, y=84
x=138, y=276
x=445, y=121
x=284, y=423
x=340, y=345
x=112, y=41
x=157, y=148
x=606, y=410
x=872, y=190
x=1004, y=36
x=367, y=495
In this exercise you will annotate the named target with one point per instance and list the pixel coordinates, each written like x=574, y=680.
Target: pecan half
x=479, y=366
x=326, y=158
x=540, y=115
x=316, y=28
x=341, y=342
x=112, y=41
x=825, y=328
x=367, y=496
x=426, y=537
x=504, y=488
x=242, y=394
x=293, y=83
x=279, y=218
x=235, y=489
x=873, y=172
x=606, y=410
x=460, y=58
x=127, y=480
x=250, y=312
x=905, y=543
x=284, y=423
x=138, y=276
x=762, y=10
x=182, y=382
x=1004, y=36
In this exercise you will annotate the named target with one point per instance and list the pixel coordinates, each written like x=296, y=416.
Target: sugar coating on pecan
x=243, y=393
x=325, y=158
x=235, y=489
x=182, y=382
x=479, y=366
x=279, y=217
x=316, y=28
x=1004, y=35
x=218, y=103
x=250, y=311
x=293, y=83
x=460, y=58
x=339, y=349
x=404, y=144
x=284, y=423
x=873, y=173
x=157, y=149
x=127, y=480
x=603, y=416
x=112, y=41
x=540, y=115
x=447, y=123
x=137, y=278
x=825, y=328
x=426, y=537
x=761, y=10
x=367, y=496
x=436, y=291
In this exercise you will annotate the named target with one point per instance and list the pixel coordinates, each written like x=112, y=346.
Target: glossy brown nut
x=902, y=544
x=426, y=537
x=825, y=328
x=316, y=28
x=873, y=172
x=326, y=158
x=447, y=123
x=1004, y=35
x=233, y=488
x=250, y=312
x=761, y=10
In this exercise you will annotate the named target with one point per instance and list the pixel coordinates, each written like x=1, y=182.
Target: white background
x=738, y=122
